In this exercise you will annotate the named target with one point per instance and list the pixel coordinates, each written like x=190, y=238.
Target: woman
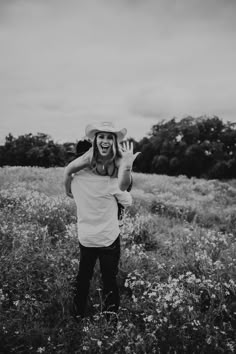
x=82, y=147
x=97, y=180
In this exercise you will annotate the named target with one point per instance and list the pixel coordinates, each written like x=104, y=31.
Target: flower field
x=177, y=273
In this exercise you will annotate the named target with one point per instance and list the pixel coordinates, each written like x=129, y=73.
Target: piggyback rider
x=98, y=181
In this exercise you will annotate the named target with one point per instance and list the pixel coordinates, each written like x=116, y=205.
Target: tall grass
x=177, y=271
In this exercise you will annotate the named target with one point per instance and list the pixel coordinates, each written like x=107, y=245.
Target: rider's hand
x=128, y=156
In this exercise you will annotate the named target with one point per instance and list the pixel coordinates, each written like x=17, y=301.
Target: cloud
x=65, y=61
x=166, y=102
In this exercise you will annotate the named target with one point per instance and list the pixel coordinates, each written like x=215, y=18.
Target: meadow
x=177, y=274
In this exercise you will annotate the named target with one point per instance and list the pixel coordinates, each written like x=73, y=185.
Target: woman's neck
x=104, y=159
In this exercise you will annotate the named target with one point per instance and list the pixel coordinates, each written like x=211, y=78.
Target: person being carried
x=97, y=180
x=105, y=157
x=82, y=146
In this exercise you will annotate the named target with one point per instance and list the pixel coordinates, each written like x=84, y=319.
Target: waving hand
x=128, y=156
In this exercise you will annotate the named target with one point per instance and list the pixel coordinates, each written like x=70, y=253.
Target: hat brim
x=92, y=131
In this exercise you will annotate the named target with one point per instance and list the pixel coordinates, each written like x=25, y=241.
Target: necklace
x=104, y=170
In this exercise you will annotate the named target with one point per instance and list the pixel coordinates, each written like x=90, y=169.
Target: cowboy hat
x=107, y=127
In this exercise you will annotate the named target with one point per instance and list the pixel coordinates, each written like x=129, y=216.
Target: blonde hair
x=95, y=153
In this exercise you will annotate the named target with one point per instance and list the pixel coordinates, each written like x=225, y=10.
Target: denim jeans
x=109, y=259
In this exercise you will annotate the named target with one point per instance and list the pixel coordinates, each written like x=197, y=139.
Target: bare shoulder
x=86, y=158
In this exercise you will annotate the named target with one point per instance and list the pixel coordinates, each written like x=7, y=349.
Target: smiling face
x=105, y=143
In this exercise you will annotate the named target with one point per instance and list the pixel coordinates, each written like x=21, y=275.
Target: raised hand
x=128, y=156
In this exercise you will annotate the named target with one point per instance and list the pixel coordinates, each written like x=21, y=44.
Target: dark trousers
x=109, y=260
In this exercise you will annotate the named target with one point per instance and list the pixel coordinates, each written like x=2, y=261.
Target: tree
x=198, y=147
x=34, y=150
x=160, y=164
x=143, y=162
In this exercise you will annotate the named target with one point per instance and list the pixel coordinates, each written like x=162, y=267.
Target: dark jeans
x=109, y=260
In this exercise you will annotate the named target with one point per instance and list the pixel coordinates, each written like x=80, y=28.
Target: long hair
x=95, y=153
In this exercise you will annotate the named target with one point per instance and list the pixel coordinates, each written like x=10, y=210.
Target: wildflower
x=74, y=261
x=196, y=322
x=168, y=297
x=208, y=340
x=99, y=343
x=149, y=318
x=152, y=294
x=2, y=297
x=231, y=347
x=41, y=350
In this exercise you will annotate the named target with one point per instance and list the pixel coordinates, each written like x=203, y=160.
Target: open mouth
x=105, y=148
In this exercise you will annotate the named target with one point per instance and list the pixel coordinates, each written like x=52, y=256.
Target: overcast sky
x=65, y=63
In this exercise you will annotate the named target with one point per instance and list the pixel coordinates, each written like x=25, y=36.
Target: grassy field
x=177, y=273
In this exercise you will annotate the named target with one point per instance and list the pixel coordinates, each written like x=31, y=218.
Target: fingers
x=131, y=146
x=121, y=147
x=127, y=146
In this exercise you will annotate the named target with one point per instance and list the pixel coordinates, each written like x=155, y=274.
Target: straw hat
x=107, y=127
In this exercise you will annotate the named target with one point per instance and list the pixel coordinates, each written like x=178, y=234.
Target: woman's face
x=105, y=142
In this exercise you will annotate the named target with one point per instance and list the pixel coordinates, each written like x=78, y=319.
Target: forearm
x=67, y=182
x=125, y=166
x=124, y=177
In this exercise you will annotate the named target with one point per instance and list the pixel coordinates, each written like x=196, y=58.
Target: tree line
x=201, y=147
x=35, y=150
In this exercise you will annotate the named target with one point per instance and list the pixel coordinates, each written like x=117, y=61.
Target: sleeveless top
x=110, y=170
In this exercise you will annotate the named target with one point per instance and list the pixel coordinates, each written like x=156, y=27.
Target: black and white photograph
x=117, y=176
